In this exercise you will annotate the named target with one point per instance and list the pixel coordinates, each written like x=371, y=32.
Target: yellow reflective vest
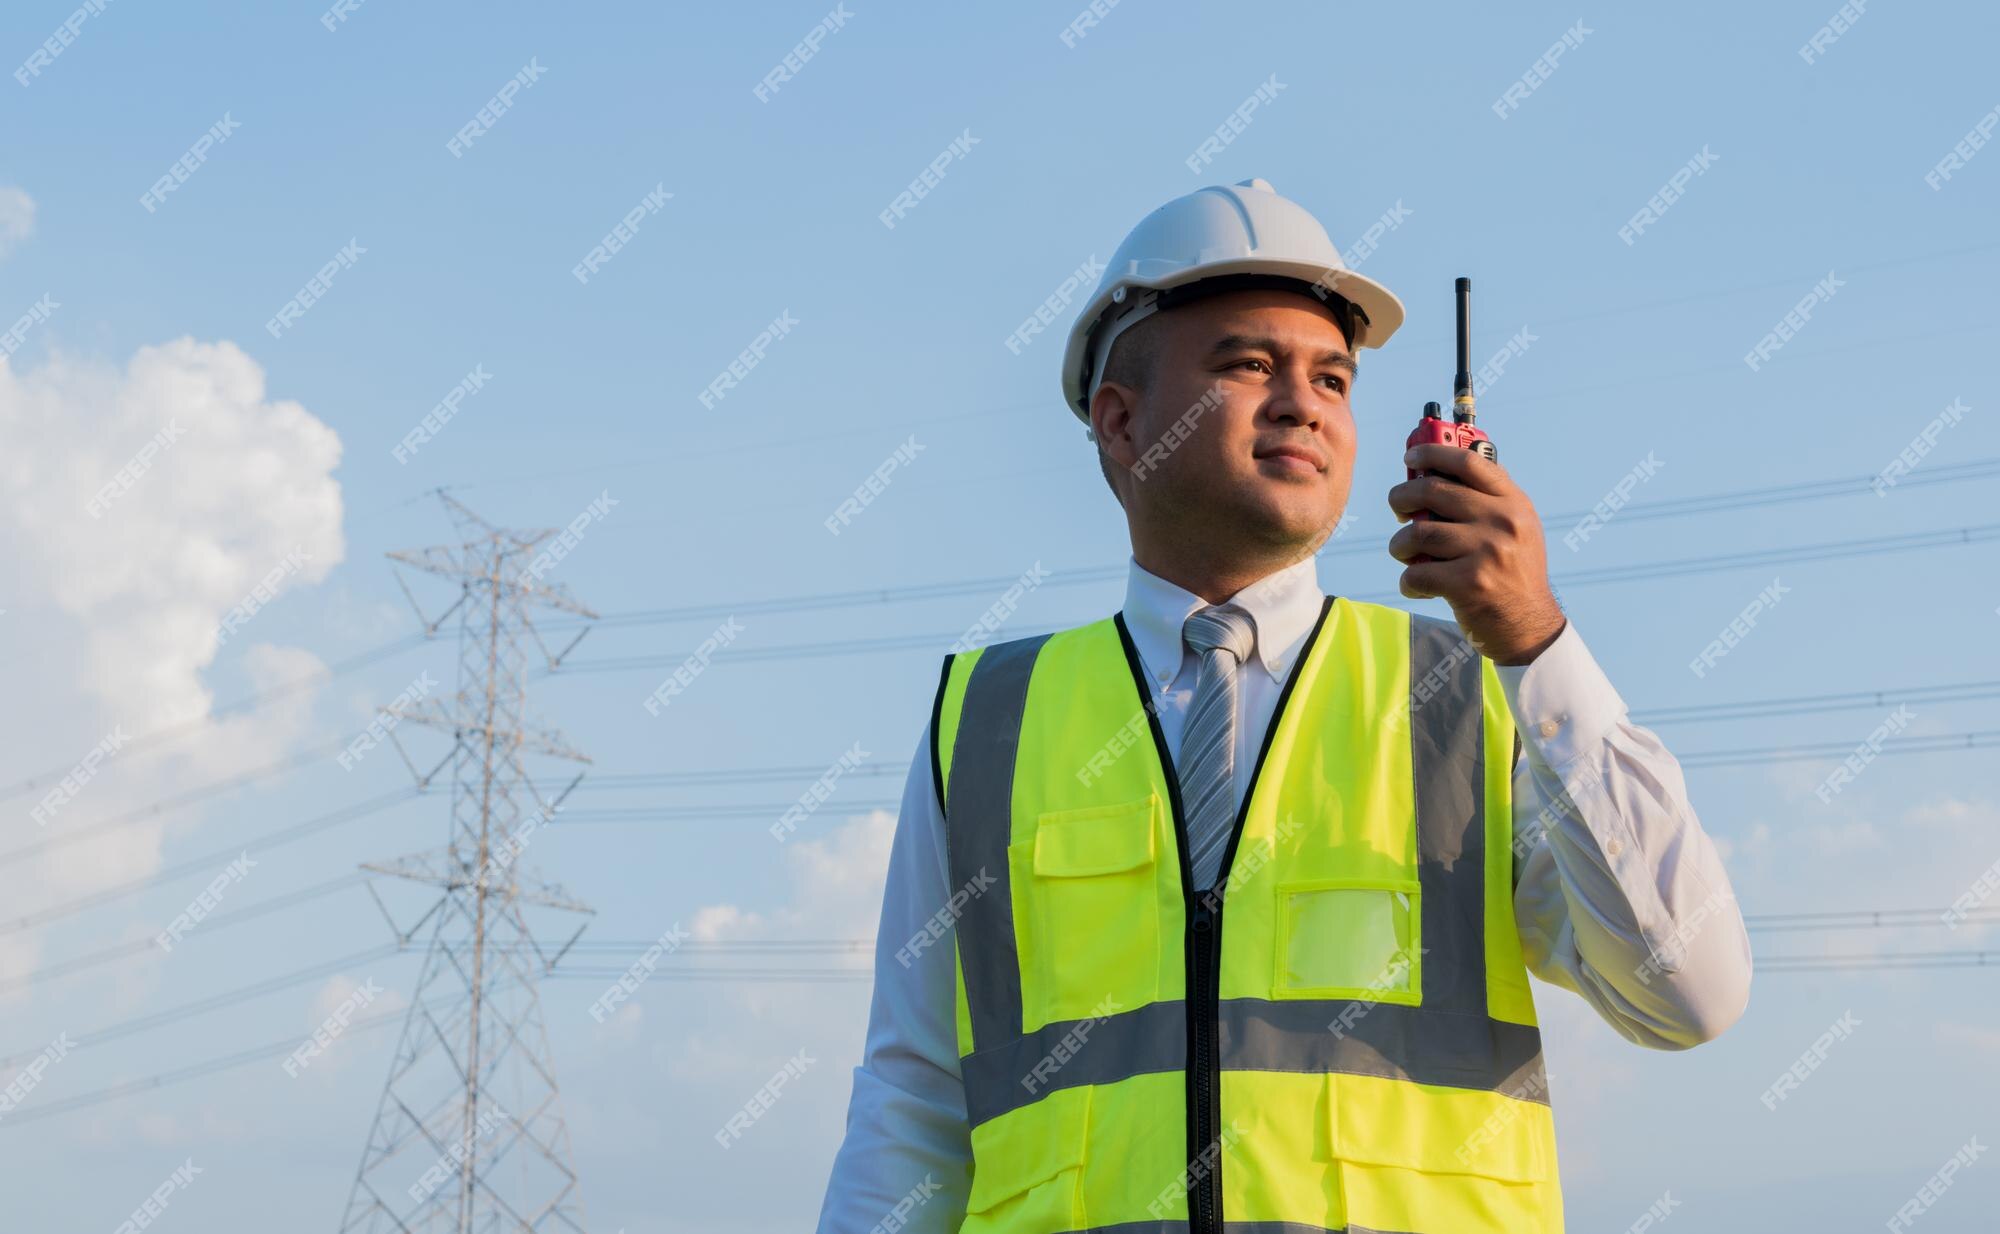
x=1339, y=1037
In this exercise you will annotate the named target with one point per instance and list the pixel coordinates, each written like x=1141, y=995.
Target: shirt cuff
x=1563, y=704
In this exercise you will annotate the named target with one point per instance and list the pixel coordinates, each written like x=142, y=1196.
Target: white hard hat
x=1243, y=229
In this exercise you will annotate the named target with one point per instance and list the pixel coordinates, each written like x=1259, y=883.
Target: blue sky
x=339, y=137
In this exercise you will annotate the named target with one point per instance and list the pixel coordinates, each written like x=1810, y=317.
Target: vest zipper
x=1204, y=1093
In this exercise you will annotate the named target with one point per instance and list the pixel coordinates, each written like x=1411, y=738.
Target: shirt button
x=1550, y=728
x=1614, y=847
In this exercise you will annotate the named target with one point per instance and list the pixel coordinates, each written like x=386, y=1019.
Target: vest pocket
x=1028, y=1171
x=1349, y=938
x=1093, y=945
x=1377, y=1122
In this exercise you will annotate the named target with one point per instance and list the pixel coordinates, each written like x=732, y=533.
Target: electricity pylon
x=472, y=1088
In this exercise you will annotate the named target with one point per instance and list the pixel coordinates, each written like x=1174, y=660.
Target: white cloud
x=113, y=620
x=17, y=218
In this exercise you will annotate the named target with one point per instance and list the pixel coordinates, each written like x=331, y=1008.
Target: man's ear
x=1111, y=412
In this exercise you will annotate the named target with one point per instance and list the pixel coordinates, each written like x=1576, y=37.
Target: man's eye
x=1339, y=382
x=1258, y=363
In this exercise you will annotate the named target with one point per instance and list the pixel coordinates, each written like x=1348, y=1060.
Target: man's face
x=1255, y=386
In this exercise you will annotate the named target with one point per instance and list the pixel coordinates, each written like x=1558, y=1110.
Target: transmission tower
x=469, y=1135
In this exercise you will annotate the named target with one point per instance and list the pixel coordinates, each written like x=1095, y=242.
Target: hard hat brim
x=1381, y=311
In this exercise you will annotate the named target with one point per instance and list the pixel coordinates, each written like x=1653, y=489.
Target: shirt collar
x=1283, y=607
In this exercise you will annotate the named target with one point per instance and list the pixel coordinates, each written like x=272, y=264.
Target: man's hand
x=1488, y=560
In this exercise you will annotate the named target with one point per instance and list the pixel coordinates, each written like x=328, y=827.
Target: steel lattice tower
x=469, y=1134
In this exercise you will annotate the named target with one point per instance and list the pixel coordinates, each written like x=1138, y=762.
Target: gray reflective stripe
x=1069, y=1053
x=1447, y=759
x=1231, y=1227
x=1309, y=1036
x=979, y=817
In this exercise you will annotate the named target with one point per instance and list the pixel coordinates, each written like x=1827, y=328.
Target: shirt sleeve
x=1620, y=895
x=905, y=1162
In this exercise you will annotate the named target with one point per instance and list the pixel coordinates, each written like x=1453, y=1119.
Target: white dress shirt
x=1619, y=895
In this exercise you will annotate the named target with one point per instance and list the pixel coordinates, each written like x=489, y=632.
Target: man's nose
x=1290, y=399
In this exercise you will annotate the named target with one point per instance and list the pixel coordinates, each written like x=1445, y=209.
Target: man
x=1221, y=910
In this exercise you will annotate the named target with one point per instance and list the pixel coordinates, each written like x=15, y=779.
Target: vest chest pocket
x=1350, y=938
x=1092, y=946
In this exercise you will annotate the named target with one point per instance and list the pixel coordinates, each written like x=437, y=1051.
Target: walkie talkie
x=1460, y=431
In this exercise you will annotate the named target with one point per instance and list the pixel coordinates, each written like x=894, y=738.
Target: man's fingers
x=1431, y=538
x=1441, y=495
x=1466, y=466
x=1427, y=580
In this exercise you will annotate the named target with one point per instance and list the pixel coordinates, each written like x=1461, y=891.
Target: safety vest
x=1342, y=1038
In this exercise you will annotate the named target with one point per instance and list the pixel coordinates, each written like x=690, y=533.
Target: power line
x=249, y=703
x=158, y=1019
x=1932, y=744
x=208, y=862
x=218, y=921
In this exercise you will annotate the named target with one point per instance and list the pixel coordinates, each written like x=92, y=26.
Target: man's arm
x=908, y=1153
x=1620, y=895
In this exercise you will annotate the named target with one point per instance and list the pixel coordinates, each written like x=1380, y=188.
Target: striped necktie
x=1223, y=636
